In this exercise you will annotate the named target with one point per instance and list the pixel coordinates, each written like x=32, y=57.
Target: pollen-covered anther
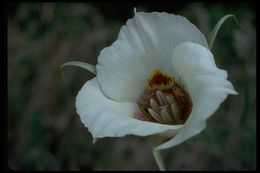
x=164, y=101
x=156, y=116
x=154, y=106
x=167, y=112
x=175, y=112
x=166, y=116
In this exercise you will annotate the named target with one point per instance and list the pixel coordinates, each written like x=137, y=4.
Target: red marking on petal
x=159, y=78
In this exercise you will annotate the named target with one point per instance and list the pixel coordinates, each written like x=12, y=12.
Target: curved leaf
x=215, y=30
x=158, y=159
x=86, y=66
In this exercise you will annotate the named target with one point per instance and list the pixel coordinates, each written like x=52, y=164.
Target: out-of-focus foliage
x=44, y=130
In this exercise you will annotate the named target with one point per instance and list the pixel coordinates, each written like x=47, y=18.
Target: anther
x=170, y=100
x=154, y=106
x=161, y=97
x=155, y=115
x=175, y=112
x=166, y=116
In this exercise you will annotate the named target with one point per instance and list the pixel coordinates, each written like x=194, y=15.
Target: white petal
x=207, y=86
x=162, y=31
x=144, y=44
x=195, y=62
x=204, y=106
x=107, y=118
x=122, y=71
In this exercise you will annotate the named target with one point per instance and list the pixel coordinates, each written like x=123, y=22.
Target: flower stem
x=158, y=159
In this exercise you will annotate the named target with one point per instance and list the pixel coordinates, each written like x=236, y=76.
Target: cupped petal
x=144, y=44
x=161, y=32
x=207, y=85
x=122, y=71
x=107, y=118
x=206, y=103
x=197, y=68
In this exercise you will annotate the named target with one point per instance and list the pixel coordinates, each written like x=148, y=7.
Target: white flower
x=158, y=77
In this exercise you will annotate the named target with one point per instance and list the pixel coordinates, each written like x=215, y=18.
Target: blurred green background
x=44, y=130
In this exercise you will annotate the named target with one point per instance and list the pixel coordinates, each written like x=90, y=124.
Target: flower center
x=164, y=101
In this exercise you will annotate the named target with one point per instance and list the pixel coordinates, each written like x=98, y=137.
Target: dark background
x=44, y=130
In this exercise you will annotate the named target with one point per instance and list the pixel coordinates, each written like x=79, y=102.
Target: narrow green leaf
x=215, y=30
x=158, y=159
x=86, y=66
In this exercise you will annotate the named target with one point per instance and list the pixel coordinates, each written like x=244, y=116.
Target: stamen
x=161, y=97
x=169, y=100
x=164, y=101
x=166, y=116
x=155, y=115
x=154, y=106
x=175, y=112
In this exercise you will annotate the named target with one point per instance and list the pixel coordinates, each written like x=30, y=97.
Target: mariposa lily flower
x=158, y=77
